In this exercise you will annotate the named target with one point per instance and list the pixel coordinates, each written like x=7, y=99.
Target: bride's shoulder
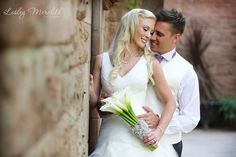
x=103, y=54
x=99, y=58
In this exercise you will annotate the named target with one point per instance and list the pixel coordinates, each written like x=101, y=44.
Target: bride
x=129, y=63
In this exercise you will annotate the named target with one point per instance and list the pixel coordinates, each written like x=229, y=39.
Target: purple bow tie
x=158, y=57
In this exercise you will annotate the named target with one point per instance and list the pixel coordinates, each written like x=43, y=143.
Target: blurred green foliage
x=131, y=4
x=227, y=106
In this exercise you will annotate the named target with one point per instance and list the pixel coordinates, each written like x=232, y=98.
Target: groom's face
x=162, y=40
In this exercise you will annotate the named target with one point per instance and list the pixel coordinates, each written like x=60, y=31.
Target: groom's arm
x=187, y=114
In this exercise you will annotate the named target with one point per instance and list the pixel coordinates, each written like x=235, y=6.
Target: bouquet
x=120, y=105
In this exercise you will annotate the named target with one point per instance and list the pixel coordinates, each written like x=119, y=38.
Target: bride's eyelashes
x=146, y=28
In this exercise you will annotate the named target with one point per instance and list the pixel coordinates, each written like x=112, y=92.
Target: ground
x=210, y=143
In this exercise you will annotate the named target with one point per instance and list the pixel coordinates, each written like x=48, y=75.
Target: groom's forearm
x=182, y=123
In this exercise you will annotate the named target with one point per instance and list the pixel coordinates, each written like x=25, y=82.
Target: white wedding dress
x=115, y=138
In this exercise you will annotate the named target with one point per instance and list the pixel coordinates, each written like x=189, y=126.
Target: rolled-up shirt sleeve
x=187, y=114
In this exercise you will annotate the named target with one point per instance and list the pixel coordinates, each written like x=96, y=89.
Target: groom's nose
x=153, y=36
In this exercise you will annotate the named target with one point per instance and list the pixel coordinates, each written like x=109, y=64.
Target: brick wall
x=220, y=18
x=44, y=70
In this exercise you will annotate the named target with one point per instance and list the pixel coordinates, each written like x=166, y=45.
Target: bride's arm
x=163, y=90
x=164, y=93
x=95, y=81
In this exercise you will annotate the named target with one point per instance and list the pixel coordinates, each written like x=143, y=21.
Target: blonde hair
x=124, y=35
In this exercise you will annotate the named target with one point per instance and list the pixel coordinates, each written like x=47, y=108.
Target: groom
x=180, y=75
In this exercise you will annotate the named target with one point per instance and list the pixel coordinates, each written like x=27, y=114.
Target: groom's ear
x=176, y=37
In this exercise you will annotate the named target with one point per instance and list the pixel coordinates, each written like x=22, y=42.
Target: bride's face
x=143, y=32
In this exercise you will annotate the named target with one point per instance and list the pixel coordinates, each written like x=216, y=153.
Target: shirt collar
x=168, y=55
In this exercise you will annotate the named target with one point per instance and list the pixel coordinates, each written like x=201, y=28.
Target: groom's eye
x=159, y=34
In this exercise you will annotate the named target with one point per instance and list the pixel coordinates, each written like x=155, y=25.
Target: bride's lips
x=144, y=40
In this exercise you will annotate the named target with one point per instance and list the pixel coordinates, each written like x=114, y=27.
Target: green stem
x=151, y=148
x=130, y=107
x=133, y=117
x=131, y=111
x=128, y=118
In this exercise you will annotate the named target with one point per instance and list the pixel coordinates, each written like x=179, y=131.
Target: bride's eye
x=146, y=28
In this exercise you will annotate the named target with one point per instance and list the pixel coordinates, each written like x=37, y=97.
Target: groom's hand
x=150, y=117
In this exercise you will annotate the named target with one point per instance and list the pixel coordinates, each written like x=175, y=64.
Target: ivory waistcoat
x=174, y=72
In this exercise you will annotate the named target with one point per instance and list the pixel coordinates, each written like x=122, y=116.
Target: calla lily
x=110, y=108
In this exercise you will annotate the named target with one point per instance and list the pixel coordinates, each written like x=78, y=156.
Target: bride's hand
x=91, y=86
x=153, y=137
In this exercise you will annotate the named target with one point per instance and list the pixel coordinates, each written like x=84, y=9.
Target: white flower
x=110, y=105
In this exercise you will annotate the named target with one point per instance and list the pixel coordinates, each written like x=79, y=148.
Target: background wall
x=44, y=70
x=218, y=18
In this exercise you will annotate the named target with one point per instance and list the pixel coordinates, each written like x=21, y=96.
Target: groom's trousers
x=178, y=148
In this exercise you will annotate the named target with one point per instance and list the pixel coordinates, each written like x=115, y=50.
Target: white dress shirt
x=188, y=99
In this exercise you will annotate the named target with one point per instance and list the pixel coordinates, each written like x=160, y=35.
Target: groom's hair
x=172, y=17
